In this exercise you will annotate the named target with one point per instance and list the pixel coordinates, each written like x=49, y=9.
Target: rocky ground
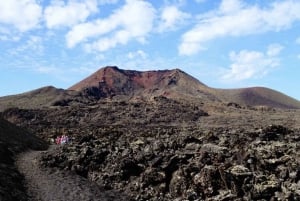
x=14, y=140
x=46, y=184
x=218, y=165
x=168, y=150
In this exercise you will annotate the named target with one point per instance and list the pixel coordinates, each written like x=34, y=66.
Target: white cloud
x=171, y=17
x=138, y=53
x=120, y=37
x=103, y=2
x=61, y=14
x=200, y=1
x=34, y=45
x=230, y=6
x=4, y=30
x=234, y=19
x=22, y=14
x=132, y=21
x=3, y=38
x=47, y=70
x=252, y=64
x=274, y=49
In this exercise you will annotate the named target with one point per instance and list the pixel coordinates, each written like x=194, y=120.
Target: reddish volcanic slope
x=111, y=81
x=113, y=76
x=114, y=82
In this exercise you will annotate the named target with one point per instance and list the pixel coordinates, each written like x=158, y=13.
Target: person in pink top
x=58, y=140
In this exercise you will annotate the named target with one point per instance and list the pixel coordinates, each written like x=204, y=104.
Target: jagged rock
x=178, y=184
x=235, y=105
x=192, y=147
x=274, y=132
x=290, y=191
x=239, y=171
x=266, y=187
x=157, y=152
x=212, y=148
x=240, y=180
x=207, y=180
x=153, y=177
x=129, y=168
x=223, y=195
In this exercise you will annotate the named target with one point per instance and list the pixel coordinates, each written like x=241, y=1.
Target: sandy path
x=50, y=185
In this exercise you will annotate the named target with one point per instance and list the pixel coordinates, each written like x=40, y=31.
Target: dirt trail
x=55, y=185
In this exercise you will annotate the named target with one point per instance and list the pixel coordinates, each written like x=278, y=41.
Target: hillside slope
x=14, y=140
x=112, y=83
x=42, y=97
x=257, y=96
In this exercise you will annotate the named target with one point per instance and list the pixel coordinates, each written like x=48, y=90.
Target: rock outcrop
x=177, y=166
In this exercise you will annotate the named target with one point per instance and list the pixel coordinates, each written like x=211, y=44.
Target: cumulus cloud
x=132, y=21
x=60, y=13
x=230, y=6
x=33, y=45
x=274, y=49
x=47, y=70
x=250, y=64
x=235, y=18
x=138, y=53
x=171, y=17
x=21, y=14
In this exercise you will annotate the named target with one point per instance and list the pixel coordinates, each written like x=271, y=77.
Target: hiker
x=63, y=139
x=58, y=140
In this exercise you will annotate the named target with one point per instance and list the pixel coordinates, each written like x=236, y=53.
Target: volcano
x=113, y=83
x=110, y=82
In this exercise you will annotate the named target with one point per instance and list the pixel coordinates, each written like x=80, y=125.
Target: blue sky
x=223, y=43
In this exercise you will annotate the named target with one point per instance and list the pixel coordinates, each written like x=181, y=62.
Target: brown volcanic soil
x=23, y=179
x=168, y=150
x=45, y=184
x=257, y=96
x=14, y=140
x=42, y=97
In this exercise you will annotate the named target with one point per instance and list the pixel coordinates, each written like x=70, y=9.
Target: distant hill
x=112, y=83
x=257, y=96
x=42, y=97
